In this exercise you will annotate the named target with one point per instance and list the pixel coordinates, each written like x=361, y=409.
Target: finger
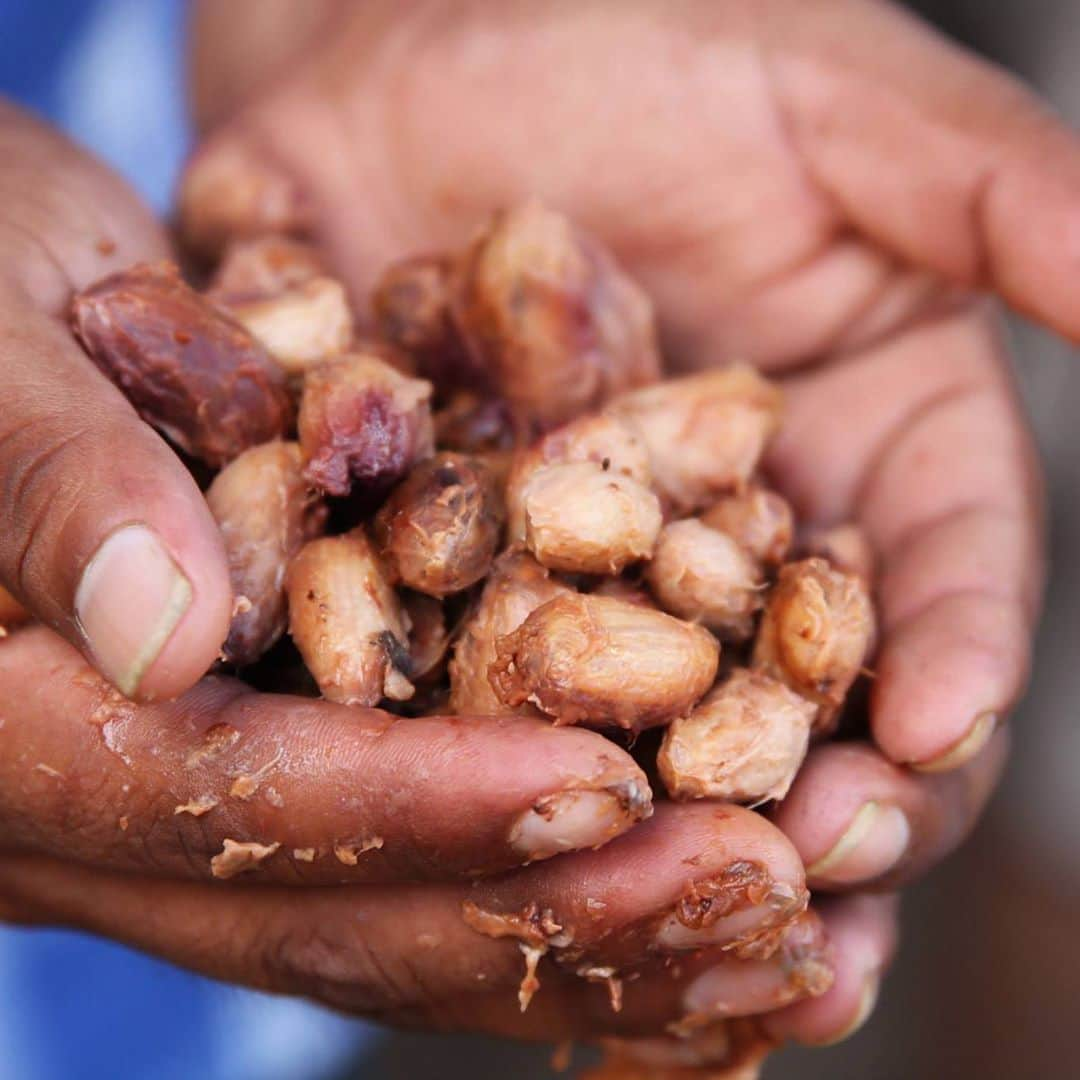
x=935, y=461
x=863, y=932
x=676, y=1001
x=936, y=154
x=856, y=818
x=945, y=166
x=106, y=538
x=224, y=780
x=391, y=948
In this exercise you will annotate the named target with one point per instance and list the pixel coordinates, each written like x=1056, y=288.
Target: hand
x=124, y=818
x=116, y=818
x=818, y=187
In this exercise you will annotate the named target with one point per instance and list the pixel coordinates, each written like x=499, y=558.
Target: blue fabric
x=99, y=1011
x=35, y=37
x=76, y=1008
x=109, y=73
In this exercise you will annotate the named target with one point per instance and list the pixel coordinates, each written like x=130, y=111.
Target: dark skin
x=821, y=187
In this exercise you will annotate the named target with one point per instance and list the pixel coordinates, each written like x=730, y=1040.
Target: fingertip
x=962, y=751
x=707, y=833
x=1029, y=255
x=709, y=837
x=196, y=622
x=874, y=841
x=859, y=996
x=945, y=675
x=108, y=540
x=862, y=822
x=580, y=818
x=862, y=932
x=152, y=602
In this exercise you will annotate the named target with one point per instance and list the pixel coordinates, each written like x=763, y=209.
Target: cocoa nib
x=551, y=318
x=255, y=269
x=473, y=424
x=347, y=621
x=411, y=305
x=187, y=367
x=266, y=513
x=440, y=528
x=362, y=421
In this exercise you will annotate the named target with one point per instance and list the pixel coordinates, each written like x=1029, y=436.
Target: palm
x=700, y=144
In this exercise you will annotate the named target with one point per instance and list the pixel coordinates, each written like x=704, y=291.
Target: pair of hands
x=813, y=186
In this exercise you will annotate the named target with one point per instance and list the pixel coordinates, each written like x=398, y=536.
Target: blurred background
x=988, y=974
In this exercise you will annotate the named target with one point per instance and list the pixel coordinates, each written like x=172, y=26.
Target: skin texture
x=812, y=186
x=77, y=462
x=12, y=613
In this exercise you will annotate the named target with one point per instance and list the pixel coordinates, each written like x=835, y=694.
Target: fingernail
x=737, y=988
x=689, y=926
x=867, y=1002
x=800, y=968
x=579, y=818
x=963, y=751
x=734, y=989
x=873, y=843
x=230, y=189
x=128, y=603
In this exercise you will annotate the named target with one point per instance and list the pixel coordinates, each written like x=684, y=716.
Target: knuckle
x=322, y=959
x=65, y=804
x=45, y=465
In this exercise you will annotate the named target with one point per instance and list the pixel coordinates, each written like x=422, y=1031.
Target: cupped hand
x=816, y=187
x=145, y=822
x=821, y=188
x=126, y=818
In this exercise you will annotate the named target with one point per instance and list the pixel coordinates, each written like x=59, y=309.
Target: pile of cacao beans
x=481, y=494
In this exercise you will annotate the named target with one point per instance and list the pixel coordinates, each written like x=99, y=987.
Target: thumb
x=104, y=535
x=108, y=539
x=940, y=157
